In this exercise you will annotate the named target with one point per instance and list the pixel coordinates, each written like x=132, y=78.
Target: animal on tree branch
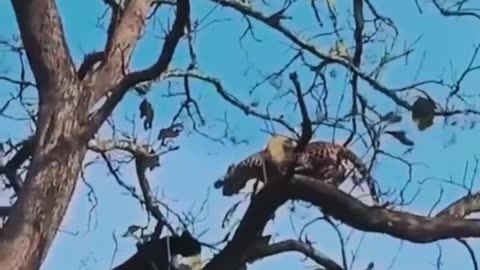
x=328, y=162
x=206, y=76
x=171, y=252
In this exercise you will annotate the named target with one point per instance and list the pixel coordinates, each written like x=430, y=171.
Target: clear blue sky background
x=185, y=175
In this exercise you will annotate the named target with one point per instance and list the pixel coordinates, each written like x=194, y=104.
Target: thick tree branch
x=462, y=207
x=182, y=19
x=42, y=202
x=265, y=203
x=151, y=205
x=402, y=225
x=59, y=147
x=262, y=207
x=455, y=13
x=357, y=59
x=101, y=146
x=43, y=38
x=121, y=41
x=306, y=122
x=339, y=205
x=116, y=10
x=154, y=71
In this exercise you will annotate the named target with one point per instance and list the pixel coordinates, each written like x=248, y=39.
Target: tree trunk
x=50, y=181
x=59, y=142
x=63, y=127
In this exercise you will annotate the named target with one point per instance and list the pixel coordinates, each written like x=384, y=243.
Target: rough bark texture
x=62, y=132
x=63, y=126
x=261, y=209
x=119, y=47
x=59, y=151
x=43, y=201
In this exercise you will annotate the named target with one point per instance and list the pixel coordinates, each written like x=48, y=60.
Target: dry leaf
x=423, y=112
x=401, y=136
x=146, y=111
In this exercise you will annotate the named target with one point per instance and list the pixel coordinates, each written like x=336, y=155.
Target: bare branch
x=311, y=49
x=182, y=19
x=261, y=208
x=258, y=252
x=11, y=167
x=150, y=204
x=391, y=93
x=143, y=156
x=98, y=145
x=231, y=99
x=306, y=123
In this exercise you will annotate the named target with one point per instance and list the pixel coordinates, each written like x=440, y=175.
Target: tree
x=333, y=71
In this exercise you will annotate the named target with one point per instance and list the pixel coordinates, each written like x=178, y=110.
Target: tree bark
x=48, y=188
x=63, y=125
x=60, y=143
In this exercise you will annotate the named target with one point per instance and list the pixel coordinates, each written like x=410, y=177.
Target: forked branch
x=148, y=74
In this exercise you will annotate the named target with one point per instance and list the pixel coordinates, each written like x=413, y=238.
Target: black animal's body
x=153, y=255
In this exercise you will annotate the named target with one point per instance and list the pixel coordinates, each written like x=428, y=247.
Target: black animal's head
x=185, y=245
x=154, y=254
x=186, y=252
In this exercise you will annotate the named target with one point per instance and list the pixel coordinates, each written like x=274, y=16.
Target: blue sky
x=185, y=176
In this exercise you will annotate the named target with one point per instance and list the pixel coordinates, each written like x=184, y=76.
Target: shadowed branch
x=402, y=225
